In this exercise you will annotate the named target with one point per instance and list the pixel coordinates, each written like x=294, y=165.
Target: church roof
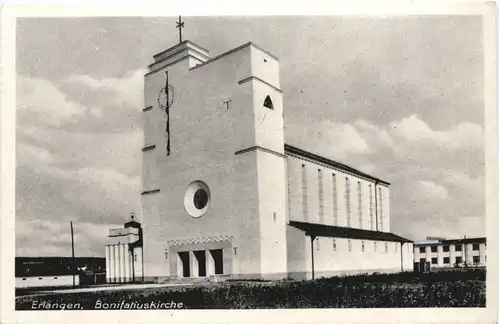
x=312, y=229
x=338, y=165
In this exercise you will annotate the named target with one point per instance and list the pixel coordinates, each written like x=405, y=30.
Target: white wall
x=272, y=197
x=342, y=261
x=205, y=136
x=137, y=263
x=327, y=261
x=313, y=215
x=46, y=281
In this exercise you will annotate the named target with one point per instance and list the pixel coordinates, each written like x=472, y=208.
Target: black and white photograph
x=182, y=162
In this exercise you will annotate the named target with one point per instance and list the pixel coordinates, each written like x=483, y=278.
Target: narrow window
x=335, y=203
x=334, y=245
x=360, y=205
x=348, y=201
x=317, y=244
x=386, y=249
x=274, y=216
x=349, y=245
x=320, y=195
x=362, y=246
x=375, y=246
x=381, y=218
x=370, y=201
x=268, y=103
x=304, y=191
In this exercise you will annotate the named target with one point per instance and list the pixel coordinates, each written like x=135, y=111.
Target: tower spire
x=180, y=25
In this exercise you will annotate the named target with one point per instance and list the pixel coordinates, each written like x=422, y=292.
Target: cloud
x=56, y=238
x=383, y=71
x=71, y=168
x=340, y=140
x=333, y=140
x=472, y=226
x=416, y=131
x=127, y=89
x=437, y=175
x=376, y=136
x=41, y=102
x=432, y=191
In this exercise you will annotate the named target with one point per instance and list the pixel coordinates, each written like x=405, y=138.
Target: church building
x=224, y=194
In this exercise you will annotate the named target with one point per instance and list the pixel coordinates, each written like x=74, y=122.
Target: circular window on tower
x=197, y=199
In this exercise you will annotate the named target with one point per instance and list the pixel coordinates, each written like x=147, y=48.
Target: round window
x=197, y=199
x=200, y=199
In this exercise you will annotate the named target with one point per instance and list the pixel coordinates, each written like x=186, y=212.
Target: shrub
x=407, y=289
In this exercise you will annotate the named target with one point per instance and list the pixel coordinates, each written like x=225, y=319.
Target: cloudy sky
x=400, y=98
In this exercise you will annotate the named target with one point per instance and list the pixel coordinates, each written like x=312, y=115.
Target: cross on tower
x=132, y=216
x=180, y=25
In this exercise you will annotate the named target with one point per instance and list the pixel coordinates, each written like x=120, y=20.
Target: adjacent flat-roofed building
x=56, y=271
x=124, y=253
x=442, y=253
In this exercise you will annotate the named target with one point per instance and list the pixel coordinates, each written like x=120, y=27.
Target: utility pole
x=72, y=254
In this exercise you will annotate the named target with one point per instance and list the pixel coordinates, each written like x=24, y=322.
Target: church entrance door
x=218, y=261
x=184, y=258
x=201, y=260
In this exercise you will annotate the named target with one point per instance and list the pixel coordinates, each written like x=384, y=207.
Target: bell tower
x=214, y=189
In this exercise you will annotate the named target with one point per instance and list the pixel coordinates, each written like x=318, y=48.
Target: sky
x=398, y=97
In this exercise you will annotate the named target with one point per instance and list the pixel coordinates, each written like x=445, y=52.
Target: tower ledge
x=179, y=52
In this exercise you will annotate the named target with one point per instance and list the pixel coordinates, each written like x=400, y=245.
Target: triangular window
x=268, y=103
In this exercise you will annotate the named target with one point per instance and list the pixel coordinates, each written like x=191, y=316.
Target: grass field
x=462, y=288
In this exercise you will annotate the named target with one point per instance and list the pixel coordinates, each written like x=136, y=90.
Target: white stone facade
x=226, y=127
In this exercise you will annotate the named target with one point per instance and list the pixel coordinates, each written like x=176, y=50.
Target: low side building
x=448, y=253
x=124, y=253
x=34, y=272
